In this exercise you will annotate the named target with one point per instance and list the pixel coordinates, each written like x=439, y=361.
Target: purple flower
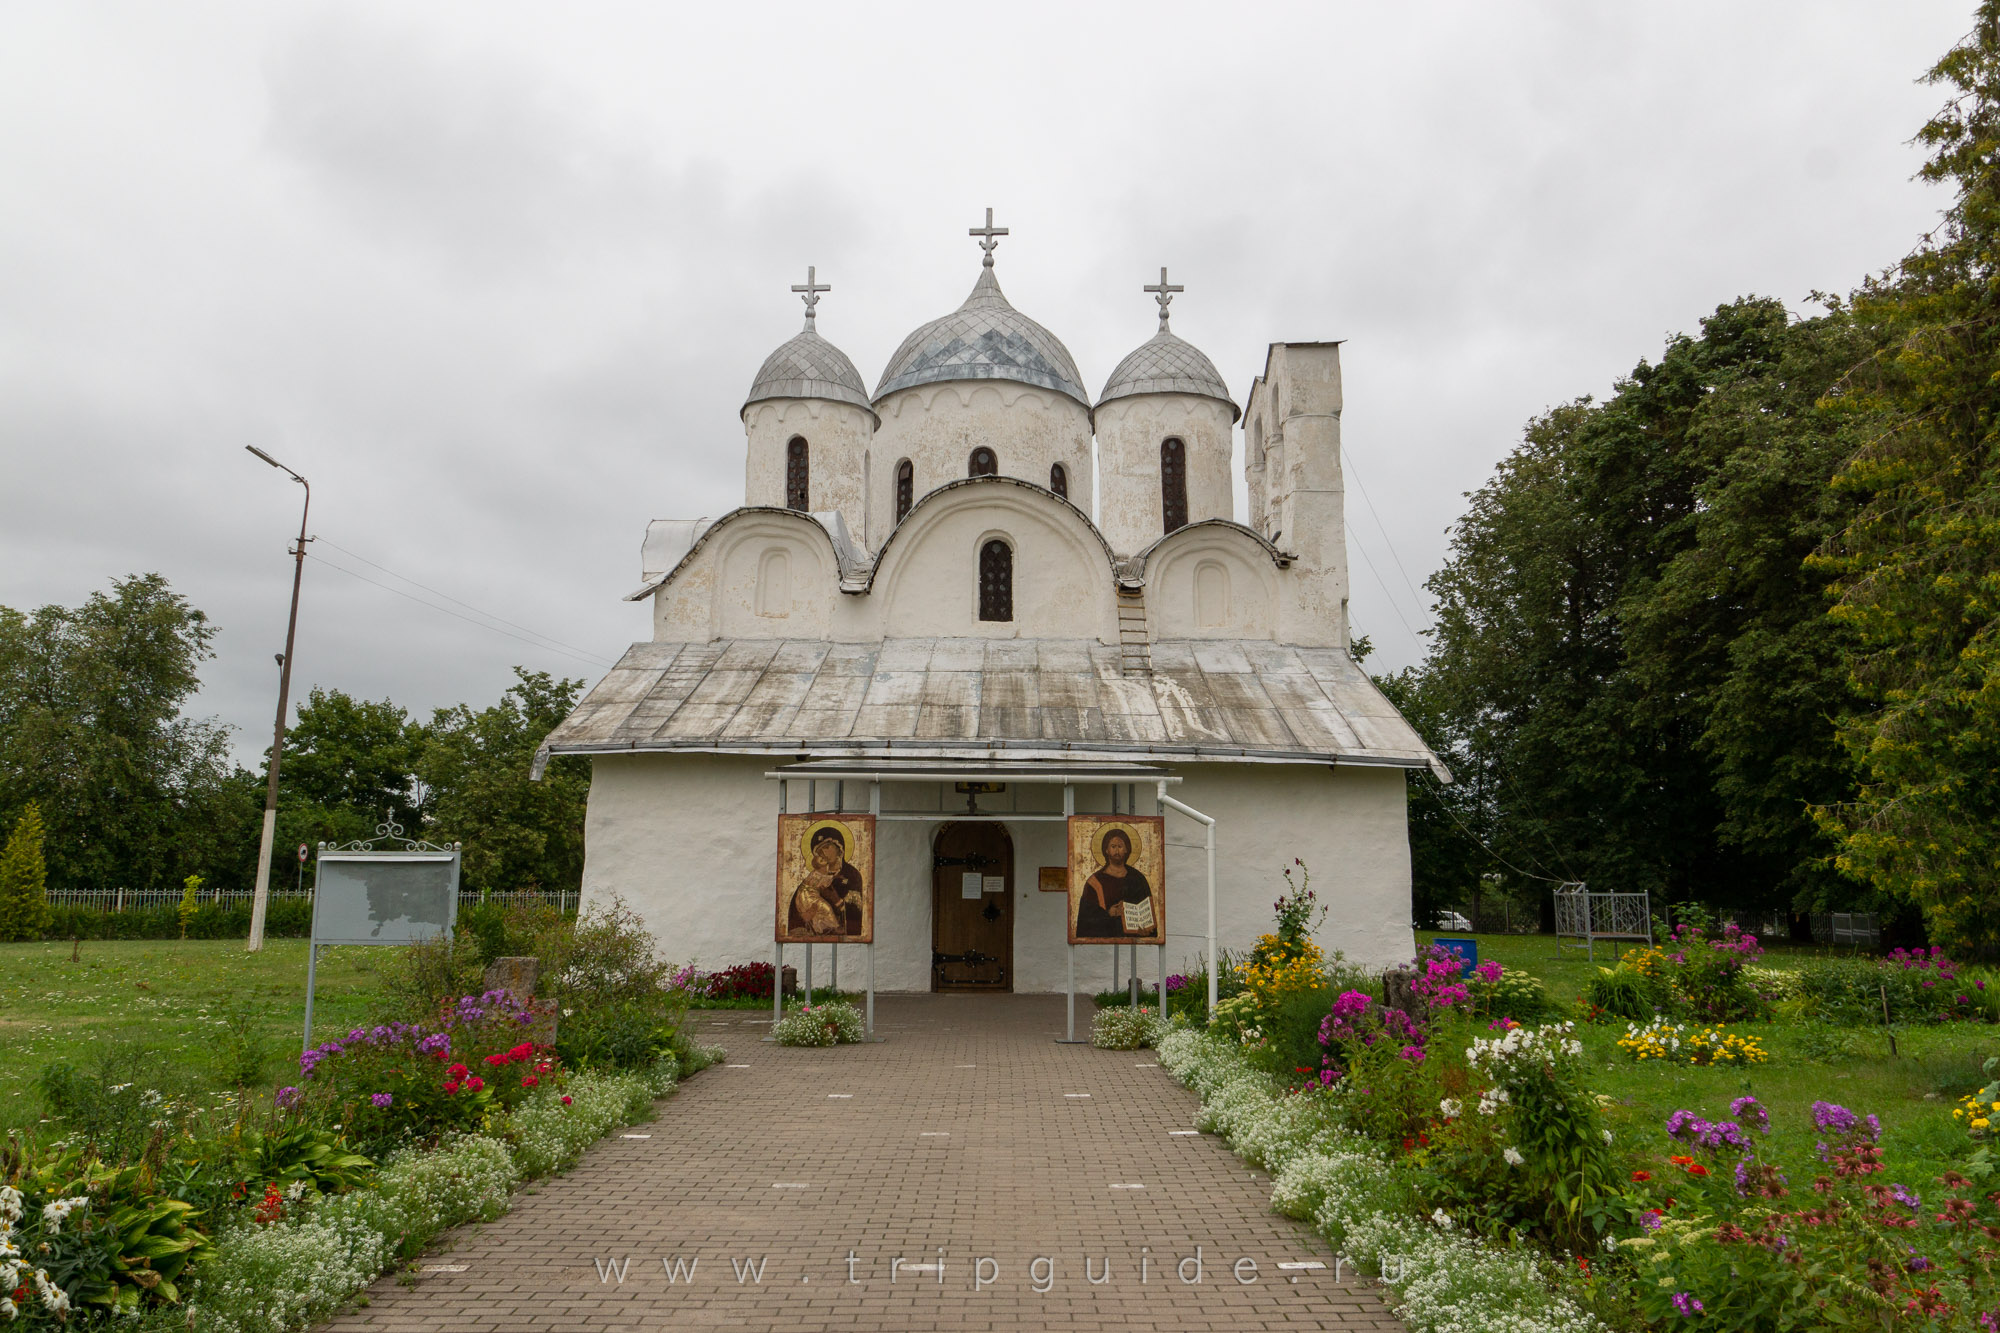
x=1918, y=1264
x=1687, y=1304
x=1176, y=982
x=287, y=1098
x=359, y=1034
x=382, y=1099
x=438, y=1043
x=1751, y=1112
x=1832, y=1118
x=1903, y=1195
x=1650, y=1221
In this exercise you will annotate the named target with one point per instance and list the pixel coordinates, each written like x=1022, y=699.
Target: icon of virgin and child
x=823, y=884
x=1115, y=899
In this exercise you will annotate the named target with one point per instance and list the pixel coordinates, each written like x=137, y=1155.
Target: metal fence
x=135, y=900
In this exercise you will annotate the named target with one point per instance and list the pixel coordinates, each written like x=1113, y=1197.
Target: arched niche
x=1212, y=581
x=757, y=574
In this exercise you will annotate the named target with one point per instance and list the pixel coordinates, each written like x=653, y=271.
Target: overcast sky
x=496, y=277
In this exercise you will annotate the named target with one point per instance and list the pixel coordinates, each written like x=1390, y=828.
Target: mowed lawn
x=1912, y=1090
x=200, y=1004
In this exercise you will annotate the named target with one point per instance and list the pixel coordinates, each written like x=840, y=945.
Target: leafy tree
x=1918, y=567
x=24, y=901
x=132, y=792
x=1446, y=823
x=517, y=834
x=349, y=763
x=1630, y=659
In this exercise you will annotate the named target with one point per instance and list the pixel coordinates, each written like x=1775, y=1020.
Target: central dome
x=984, y=339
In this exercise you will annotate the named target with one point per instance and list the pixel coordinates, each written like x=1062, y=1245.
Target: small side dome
x=1167, y=364
x=984, y=339
x=809, y=367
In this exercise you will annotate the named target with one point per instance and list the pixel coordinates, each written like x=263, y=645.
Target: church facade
x=975, y=602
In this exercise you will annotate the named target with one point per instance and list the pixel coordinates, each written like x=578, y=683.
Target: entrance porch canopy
x=1069, y=776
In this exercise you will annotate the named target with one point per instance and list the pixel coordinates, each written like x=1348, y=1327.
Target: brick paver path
x=786, y=1192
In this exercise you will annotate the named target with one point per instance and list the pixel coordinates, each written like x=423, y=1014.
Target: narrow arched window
x=906, y=488
x=984, y=464
x=1059, y=480
x=1173, y=483
x=798, y=476
x=996, y=581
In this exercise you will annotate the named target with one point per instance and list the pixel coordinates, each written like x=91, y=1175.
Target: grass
x=209, y=1006
x=1912, y=1088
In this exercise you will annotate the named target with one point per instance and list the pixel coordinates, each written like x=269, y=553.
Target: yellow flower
x=1980, y=1123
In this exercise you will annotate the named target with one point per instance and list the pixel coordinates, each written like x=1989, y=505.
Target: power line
x=445, y=610
x=1415, y=637
x=1481, y=842
x=1382, y=527
x=449, y=598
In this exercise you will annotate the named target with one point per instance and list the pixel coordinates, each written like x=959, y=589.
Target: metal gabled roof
x=1212, y=700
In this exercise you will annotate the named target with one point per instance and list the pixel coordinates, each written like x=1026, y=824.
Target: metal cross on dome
x=989, y=237
x=811, y=292
x=1164, y=294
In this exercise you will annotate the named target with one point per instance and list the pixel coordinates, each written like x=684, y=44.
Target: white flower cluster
x=1491, y=1100
x=1512, y=1155
x=12, y=1266
x=55, y=1214
x=1451, y=1108
x=1519, y=1049
x=1445, y=1280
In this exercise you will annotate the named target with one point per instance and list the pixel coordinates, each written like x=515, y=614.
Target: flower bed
x=820, y=1025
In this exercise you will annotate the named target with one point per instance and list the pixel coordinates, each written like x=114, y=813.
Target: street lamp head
x=275, y=463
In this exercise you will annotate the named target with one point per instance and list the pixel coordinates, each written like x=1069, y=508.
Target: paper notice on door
x=1139, y=917
x=970, y=886
x=996, y=884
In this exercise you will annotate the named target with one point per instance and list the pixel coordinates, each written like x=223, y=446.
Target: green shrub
x=1621, y=992
x=617, y=1034
x=1515, y=994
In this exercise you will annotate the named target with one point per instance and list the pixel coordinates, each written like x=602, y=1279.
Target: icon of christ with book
x=1117, y=899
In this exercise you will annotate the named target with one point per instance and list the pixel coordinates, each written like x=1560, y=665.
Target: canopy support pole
x=1170, y=803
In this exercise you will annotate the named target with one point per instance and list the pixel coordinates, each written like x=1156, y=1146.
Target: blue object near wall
x=1467, y=951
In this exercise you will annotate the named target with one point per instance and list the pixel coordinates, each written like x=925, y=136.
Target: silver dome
x=809, y=367
x=984, y=339
x=1166, y=364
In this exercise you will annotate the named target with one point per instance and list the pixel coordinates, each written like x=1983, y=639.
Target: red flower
x=476, y=1084
x=451, y=1085
x=565, y=1101
x=1697, y=1169
x=1424, y=1139
x=1681, y=1161
x=273, y=1205
x=529, y=1081
x=1409, y=1144
x=1642, y=1176
x=21, y=1292
x=544, y=1067
x=524, y=1051
x=457, y=1071
x=1668, y=1204
x=496, y=1060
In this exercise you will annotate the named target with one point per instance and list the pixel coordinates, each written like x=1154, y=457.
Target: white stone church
x=978, y=599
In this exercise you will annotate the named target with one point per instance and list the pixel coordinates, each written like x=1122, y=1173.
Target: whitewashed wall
x=1129, y=434
x=937, y=426
x=690, y=842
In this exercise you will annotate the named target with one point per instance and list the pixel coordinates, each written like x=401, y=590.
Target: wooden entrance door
x=972, y=939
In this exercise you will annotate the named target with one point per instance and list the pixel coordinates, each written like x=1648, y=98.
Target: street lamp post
x=261, y=899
